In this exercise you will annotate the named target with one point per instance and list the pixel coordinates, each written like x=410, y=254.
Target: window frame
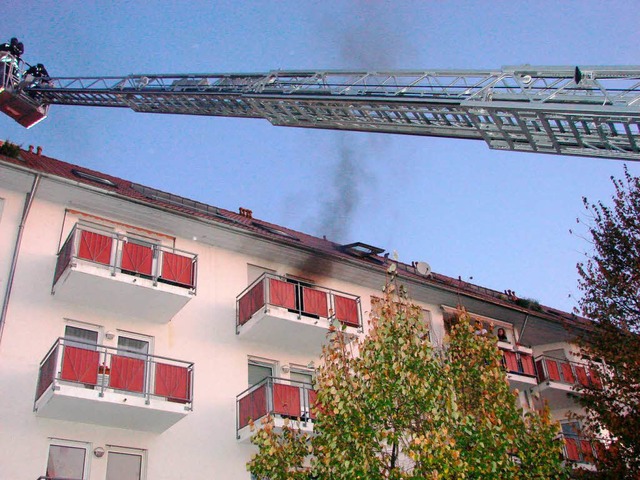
x=64, y=443
x=83, y=326
x=117, y=449
x=261, y=362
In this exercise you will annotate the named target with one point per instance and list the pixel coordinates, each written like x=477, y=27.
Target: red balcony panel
x=177, y=269
x=567, y=373
x=587, y=451
x=571, y=444
x=346, y=310
x=172, y=382
x=286, y=400
x=595, y=378
x=250, y=303
x=80, y=365
x=47, y=372
x=600, y=449
x=527, y=364
x=511, y=361
x=581, y=373
x=64, y=257
x=95, y=247
x=540, y=371
x=313, y=398
x=315, y=302
x=137, y=258
x=283, y=294
x=552, y=369
x=127, y=373
x=253, y=406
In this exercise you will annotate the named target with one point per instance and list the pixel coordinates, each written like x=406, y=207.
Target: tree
x=392, y=406
x=610, y=283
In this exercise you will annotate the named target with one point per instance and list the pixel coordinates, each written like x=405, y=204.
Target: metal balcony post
x=147, y=379
x=156, y=268
x=116, y=256
x=104, y=356
x=269, y=394
x=191, y=378
x=267, y=291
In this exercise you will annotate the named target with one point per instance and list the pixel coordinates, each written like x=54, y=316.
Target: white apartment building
x=142, y=330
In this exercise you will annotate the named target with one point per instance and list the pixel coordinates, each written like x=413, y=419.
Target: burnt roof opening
x=362, y=250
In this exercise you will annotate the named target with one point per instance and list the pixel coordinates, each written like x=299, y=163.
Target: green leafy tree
x=497, y=432
x=391, y=406
x=610, y=283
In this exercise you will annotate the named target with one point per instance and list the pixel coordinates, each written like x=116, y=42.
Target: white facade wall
x=202, y=445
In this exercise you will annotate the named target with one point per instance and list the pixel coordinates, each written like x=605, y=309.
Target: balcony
x=89, y=383
x=518, y=363
x=282, y=399
x=557, y=378
x=108, y=271
x=579, y=449
x=283, y=312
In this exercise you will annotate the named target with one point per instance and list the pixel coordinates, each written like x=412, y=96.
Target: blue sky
x=500, y=218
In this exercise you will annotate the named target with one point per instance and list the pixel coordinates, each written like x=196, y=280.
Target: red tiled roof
x=47, y=165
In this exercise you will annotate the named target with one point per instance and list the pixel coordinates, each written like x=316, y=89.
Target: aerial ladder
x=584, y=111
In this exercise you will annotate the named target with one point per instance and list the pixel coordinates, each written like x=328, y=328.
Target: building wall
x=203, y=444
x=199, y=446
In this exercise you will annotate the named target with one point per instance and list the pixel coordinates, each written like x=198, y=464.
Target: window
x=303, y=376
x=570, y=429
x=92, y=178
x=426, y=318
x=503, y=334
x=67, y=460
x=81, y=337
x=307, y=396
x=125, y=464
x=274, y=230
x=306, y=301
x=259, y=370
x=133, y=347
x=254, y=272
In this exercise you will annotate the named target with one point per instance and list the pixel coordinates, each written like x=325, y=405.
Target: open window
x=307, y=300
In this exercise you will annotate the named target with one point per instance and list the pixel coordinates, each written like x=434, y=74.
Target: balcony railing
x=102, y=368
x=551, y=369
x=519, y=363
x=279, y=397
x=580, y=449
x=306, y=301
x=120, y=254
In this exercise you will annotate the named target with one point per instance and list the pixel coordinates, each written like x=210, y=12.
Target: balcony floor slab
x=245, y=433
x=281, y=327
x=78, y=403
x=121, y=294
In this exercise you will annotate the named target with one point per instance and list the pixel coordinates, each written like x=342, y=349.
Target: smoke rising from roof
x=366, y=41
x=344, y=193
